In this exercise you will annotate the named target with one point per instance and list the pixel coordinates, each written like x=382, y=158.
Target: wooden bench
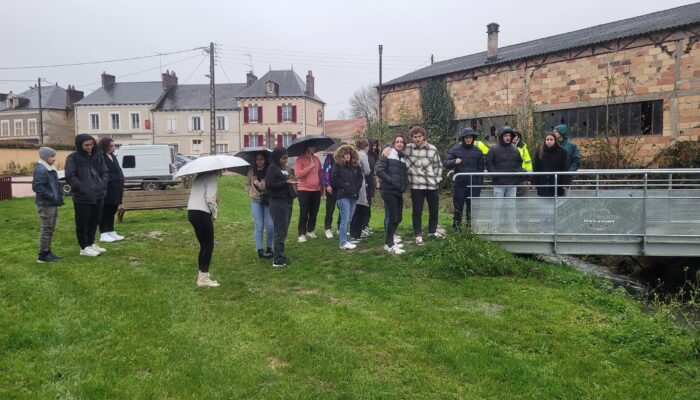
x=153, y=200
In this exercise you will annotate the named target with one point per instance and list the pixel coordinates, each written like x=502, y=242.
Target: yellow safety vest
x=525, y=155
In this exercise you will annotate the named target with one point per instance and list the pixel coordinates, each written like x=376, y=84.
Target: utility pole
x=212, y=102
x=41, y=115
x=380, y=84
x=431, y=59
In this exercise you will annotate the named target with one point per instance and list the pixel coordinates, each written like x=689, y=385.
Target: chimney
x=310, y=84
x=107, y=80
x=73, y=96
x=169, y=79
x=492, y=31
x=250, y=79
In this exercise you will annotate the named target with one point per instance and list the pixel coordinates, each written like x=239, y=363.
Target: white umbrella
x=213, y=163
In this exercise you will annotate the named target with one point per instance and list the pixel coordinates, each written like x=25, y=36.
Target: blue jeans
x=262, y=220
x=504, y=201
x=347, y=208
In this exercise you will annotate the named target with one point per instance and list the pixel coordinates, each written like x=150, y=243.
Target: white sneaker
x=302, y=239
x=441, y=230
x=204, y=280
x=311, y=235
x=438, y=235
x=116, y=236
x=106, y=237
x=329, y=234
x=394, y=250
x=365, y=233
x=419, y=240
x=348, y=246
x=88, y=251
x=397, y=239
x=97, y=248
x=399, y=245
x=354, y=240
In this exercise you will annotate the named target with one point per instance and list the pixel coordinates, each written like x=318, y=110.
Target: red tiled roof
x=345, y=129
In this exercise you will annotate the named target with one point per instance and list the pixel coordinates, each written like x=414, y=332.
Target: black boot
x=43, y=257
x=261, y=254
x=457, y=220
x=53, y=256
x=269, y=253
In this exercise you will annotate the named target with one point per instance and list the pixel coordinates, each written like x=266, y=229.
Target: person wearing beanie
x=87, y=175
x=282, y=196
x=48, y=198
x=465, y=156
x=115, y=191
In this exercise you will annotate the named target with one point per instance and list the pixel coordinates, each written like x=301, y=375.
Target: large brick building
x=641, y=74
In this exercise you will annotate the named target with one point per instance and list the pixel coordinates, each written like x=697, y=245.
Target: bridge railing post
x=556, y=175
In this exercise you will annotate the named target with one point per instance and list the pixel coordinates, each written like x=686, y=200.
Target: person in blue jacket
x=48, y=198
x=465, y=157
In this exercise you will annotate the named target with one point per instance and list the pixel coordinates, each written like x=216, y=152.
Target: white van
x=148, y=162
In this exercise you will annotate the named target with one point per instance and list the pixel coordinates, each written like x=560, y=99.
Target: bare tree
x=342, y=115
x=364, y=103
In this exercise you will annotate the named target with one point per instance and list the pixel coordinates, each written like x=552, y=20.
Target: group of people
x=97, y=185
x=347, y=177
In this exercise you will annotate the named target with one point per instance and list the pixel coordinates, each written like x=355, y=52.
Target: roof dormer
x=272, y=89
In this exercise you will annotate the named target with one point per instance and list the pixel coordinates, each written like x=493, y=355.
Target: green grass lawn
x=458, y=319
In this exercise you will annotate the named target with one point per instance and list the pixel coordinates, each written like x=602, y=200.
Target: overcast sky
x=336, y=40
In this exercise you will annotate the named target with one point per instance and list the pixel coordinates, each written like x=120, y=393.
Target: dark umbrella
x=299, y=145
x=249, y=153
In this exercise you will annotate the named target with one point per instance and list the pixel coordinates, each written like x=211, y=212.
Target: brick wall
x=641, y=73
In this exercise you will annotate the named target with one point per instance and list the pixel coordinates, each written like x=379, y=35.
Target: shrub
x=685, y=154
x=465, y=254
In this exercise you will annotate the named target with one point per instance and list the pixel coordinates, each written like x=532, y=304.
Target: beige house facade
x=278, y=108
x=20, y=120
x=642, y=75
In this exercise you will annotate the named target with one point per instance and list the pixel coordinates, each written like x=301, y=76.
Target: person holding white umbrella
x=202, y=208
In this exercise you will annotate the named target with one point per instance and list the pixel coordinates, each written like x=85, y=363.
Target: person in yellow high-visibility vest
x=527, y=161
x=482, y=146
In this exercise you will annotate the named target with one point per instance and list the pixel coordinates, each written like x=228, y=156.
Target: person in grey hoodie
x=504, y=157
x=48, y=198
x=87, y=175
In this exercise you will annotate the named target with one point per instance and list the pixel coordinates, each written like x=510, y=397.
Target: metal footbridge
x=649, y=212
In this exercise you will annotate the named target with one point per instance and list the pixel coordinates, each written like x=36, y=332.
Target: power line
x=99, y=62
x=325, y=54
x=145, y=70
x=221, y=64
x=204, y=57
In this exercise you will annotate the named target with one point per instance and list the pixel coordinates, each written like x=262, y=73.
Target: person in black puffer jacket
x=282, y=196
x=504, y=157
x=115, y=191
x=552, y=157
x=465, y=157
x=87, y=175
x=346, y=180
x=393, y=174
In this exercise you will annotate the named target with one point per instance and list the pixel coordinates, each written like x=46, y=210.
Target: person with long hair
x=346, y=179
x=551, y=157
x=282, y=196
x=202, y=211
x=260, y=204
x=115, y=191
x=393, y=174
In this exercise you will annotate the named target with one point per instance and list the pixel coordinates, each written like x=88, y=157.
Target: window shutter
x=245, y=115
x=260, y=140
x=294, y=114
x=294, y=135
x=189, y=124
x=246, y=140
x=260, y=117
x=279, y=114
x=279, y=141
x=226, y=123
